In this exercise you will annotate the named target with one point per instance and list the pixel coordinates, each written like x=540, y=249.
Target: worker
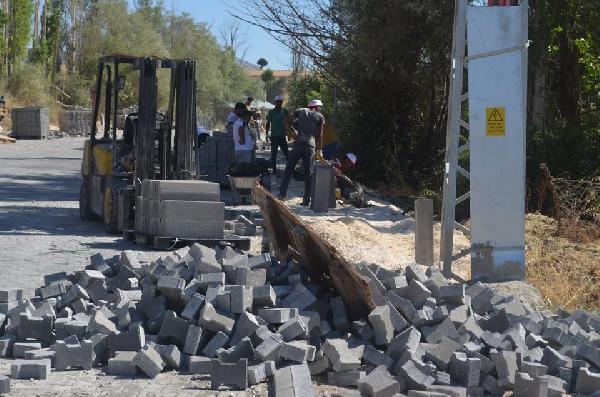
x=242, y=139
x=307, y=126
x=276, y=126
x=234, y=116
x=248, y=103
x=347, y=163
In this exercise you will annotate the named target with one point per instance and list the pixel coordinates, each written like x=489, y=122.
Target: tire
x=85, y=211
x=110, y=210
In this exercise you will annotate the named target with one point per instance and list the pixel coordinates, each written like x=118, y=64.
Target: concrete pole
x=424, y=232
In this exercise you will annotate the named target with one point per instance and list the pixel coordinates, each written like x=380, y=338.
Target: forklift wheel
x=85, y=211
x=110, y=212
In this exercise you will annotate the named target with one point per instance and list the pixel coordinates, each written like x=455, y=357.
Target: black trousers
x=276, y=143
x=300, y=150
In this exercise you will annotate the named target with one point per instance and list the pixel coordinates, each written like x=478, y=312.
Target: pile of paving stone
x=248, y=319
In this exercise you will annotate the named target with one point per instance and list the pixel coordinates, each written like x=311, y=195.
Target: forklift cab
x=149, y=146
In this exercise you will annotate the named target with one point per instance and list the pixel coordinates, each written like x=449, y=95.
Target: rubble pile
x=248, y=319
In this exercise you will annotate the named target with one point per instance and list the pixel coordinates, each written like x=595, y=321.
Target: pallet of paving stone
x=167, y=243
x=291, y=237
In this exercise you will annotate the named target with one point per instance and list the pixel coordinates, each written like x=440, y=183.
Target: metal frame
x=456, y=98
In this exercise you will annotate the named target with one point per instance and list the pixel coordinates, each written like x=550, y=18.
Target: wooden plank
x=291, y=237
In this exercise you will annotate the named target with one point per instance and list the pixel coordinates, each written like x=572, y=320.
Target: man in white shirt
x=234, y=116
x=242, y=139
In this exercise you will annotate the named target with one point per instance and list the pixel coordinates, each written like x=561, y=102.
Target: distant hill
x=247, y=65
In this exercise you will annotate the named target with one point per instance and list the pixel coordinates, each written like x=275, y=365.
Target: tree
x=19, y=32
x=262, y=62
x=234, y=38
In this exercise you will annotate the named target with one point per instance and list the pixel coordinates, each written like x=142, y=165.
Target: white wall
x=497, y=163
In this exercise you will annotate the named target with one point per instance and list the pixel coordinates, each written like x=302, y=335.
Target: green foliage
x=28, y=85
x=20, y=29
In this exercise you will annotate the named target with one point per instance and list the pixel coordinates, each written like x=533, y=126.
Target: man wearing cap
x=276, y=125
x=348, y=162
x=307, y=125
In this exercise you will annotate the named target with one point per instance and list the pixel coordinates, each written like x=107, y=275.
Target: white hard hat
x=279, y=98
x=315, y=102
x=351, y=157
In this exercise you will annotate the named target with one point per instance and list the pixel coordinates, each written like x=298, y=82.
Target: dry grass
x=566, y=274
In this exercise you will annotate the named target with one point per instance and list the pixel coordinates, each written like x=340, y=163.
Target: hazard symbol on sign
x=495, y=121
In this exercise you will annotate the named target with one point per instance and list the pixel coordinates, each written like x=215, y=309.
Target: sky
x=216, y=14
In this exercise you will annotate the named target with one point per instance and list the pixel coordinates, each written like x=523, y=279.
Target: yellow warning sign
x=495, y=121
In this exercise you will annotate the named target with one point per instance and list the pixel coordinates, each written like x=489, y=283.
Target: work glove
x=319, y=155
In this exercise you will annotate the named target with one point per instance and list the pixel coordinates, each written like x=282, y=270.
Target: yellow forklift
x=153, y=145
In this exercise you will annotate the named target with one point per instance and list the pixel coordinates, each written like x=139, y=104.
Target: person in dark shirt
x=276, y=127
x=307, y=125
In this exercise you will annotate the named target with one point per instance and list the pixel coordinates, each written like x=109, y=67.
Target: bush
x=28, y=86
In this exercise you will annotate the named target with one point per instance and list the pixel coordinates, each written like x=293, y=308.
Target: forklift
x=153, y=145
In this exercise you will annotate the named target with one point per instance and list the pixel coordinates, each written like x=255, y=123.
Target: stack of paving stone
x=75, y=121
x=215, y=157
x=249, y=319
x=180, y=209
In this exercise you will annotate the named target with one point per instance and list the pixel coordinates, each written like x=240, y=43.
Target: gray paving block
x=464, y=370
x=379, y=383
x=53, y=291
x=243, y=349
x=341, y=320
x=122, y=364
x=234, y=375
x=441, y=352
x=417, y=293
x=211, y=280
x=10, y=294
x=277, y=316
x=293, y=381
x=268, y=350
x=408, y=339
x=264, y=296
x=30, y=369
x=213, y=321
x=345, y=379
x=587, y=381
x=241, y=298
x=205, y=260
x=252, y=278
x=216, y=342
x=193, y=340
x=193, y=307
x=101, y=325
x=417, y=378
x=199, y=365
x=340, y=356
x=80, y=355
x=506, y=367
x=39, y=328
x=174, y=329
x=300, y=298
x=20, y=348
x=171, y=287
x=404, y=306
x=169, y=353
x=382, y=325
x=296, y=351
x=372, y=356
x=4, y=384
x=435, y=333
x=319, y=366
x=132, y=340
x=526, y=386
x=293, y=328
x=149, y=361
